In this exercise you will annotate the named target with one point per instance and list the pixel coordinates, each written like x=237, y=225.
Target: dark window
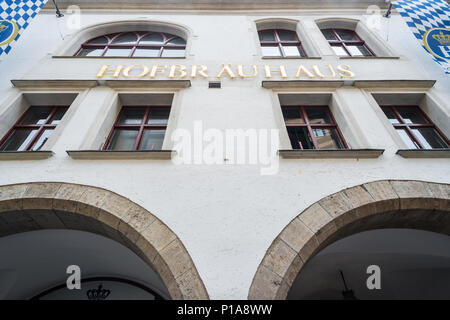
x=33, y=129
x=280, y=43
x=134, y=44
x=346, y=43
x=139, y=128
x=312, y=127
x=415, y=128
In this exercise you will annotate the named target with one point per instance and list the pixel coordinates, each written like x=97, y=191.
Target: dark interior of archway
x=414, y=264
x=34, y=259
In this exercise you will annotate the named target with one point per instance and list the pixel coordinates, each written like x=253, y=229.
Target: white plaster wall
x=226, y=215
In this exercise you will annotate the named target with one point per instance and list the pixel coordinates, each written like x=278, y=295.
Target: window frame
x=402, y=125
x=310, y=126
x=40, y=127
x=343, y=43
x=137, y=127
x=279, y=43
x=111, y=37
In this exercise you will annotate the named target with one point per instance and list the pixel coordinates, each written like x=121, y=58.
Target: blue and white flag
x=429, y=21
x=15, y=16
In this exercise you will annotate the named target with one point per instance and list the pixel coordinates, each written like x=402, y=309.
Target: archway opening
x=38, y=264
x=378, y=264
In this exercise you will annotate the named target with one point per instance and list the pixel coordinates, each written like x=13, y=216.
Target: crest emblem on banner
x=437, y=42
x=8, y=31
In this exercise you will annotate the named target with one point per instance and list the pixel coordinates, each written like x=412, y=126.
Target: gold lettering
x=269, y=71
x=105, y=69
x=177, y=68
x=320, y=74
x=156, y=69
x=345, y=71
x=243, y=75
x=226, y=68
x=127, y=70
x=301, y=70
x=201, y=72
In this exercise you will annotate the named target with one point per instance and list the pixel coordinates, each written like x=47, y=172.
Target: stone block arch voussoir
x=49, y=205
x=380, y=204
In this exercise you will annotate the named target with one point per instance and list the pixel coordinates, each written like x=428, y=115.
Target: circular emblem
x=437, y=41
x=8, y=31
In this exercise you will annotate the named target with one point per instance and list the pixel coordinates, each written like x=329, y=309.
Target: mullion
x=41, y=129
x=311, y=133
x=142, y=129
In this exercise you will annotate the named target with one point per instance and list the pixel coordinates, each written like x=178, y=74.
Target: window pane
x=318, y=115
x=286, y=35
x=329, y=35
x=300, y=138
x=327, y=138
x=126, y=38
x=411, y=115
x=58, y=115
x=292, y=51
x=405, y=137
x=91, y=52
x=152, y=140
x=140, y=52
x=153, y=38
x=266, y=35
x=177, y=41
x=159, y=116
x=359, y=51
x=132, y=116
x=271, y=51
x=172, y=52
x=391, y=116
x=347, y=35
x=42, y=139
x=37, y=115
x=123, y=140
x=338, y=50
x=118, y=52
x=19, y=140
x=292, y=115
x=429, y=138
x=99, y=40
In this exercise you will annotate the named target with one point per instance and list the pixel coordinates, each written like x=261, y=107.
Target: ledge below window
x=25, y=155
x=331, y=154
x=424, y=153
x=121, y=155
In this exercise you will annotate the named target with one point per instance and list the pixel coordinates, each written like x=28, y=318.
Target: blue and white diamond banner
x=429, y=21
x=15, y=16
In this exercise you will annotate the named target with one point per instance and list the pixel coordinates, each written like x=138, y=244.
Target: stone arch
x=73, y=42
x=374, y=205
x=52, y=205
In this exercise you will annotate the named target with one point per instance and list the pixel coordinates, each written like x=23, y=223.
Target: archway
x=375, y=205
x=47, y=205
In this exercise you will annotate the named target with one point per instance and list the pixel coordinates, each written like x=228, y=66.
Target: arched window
x=346, y=43
x=280, y=43
x=134, y=44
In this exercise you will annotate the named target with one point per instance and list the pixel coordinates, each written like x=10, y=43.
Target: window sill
x=25, y=155
x=291, y=58
x=289, y=84
x=424, y=153
x=371, y=57
x=130, y=58
x=121, y=155
x=331, y=154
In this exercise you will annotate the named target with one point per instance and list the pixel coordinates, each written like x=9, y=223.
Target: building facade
x=240, y=150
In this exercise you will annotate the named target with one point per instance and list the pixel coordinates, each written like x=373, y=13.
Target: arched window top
x=280, y=43
x=134, y=44
x=346, y=42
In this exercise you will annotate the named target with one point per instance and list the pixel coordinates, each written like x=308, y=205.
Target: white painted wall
x=226, y=215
